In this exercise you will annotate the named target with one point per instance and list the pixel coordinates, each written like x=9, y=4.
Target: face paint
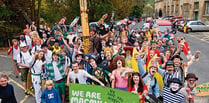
x=174, y=86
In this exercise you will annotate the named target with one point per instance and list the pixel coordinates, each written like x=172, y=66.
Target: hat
x=175, y=80
x=176, y=56
x=23, y=44
x=191, y=75
x=78, y=53
x=154, y=64
x=169, y=63
x=91, y=57
x=88, y=55
x=128, y=48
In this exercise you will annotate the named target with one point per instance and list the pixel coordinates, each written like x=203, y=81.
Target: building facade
x=191, y=9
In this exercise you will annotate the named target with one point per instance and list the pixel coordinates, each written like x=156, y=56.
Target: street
x=196, y=40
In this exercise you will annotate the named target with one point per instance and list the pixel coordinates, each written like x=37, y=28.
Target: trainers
x=27, y=93
x=31, y=89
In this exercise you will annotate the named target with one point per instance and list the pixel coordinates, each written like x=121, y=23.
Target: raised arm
x=140, y=66
x=95, y=79
x=48, y=43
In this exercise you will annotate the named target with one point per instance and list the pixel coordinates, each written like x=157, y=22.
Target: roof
x=162, y=22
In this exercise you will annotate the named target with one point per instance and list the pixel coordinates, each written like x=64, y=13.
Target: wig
x=116, y=58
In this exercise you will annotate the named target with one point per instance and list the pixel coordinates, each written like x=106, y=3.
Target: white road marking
x=198, y=38
x=5, y=56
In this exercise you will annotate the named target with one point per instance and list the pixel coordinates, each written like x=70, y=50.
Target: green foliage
x=136, y=12
x=5, y=12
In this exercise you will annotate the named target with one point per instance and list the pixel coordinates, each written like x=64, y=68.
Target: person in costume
x=172, y=94
x=128, y=55
x=189, y=90
x=148, y=77
x=120, y=74
x=99, y=73
x=137, y=86
x=37, y=64
x=107, y=62
x=168, y=73
x=182, y=67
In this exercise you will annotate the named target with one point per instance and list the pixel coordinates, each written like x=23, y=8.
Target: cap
x=23, y=44
x=176, y=56
x=175, y=80
x=191, y=75
x=79, y=53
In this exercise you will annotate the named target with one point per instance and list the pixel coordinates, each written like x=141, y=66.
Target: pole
x=14, y=64
x=85, y=25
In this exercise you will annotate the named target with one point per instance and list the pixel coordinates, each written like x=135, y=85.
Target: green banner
x=81, y=93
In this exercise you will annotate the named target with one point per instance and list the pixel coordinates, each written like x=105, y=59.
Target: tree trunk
x=33, y=10
x=39, y=12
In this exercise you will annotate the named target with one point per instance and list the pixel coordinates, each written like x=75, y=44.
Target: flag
x=74, y=21
x=185, y=47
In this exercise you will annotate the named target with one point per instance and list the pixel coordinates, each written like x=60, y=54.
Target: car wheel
x=189, y=30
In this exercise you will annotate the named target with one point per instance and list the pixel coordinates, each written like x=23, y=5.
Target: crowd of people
x=147, y=63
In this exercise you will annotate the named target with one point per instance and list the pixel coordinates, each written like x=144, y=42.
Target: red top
x=133, y=89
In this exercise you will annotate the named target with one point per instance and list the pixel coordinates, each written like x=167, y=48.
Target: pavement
x=196, y=40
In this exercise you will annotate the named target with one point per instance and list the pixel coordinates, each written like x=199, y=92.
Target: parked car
x=167, y=17
x=195, y=26
x=164, y=25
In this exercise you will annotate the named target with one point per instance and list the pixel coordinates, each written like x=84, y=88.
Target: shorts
x=60, y=87
x=24, y=74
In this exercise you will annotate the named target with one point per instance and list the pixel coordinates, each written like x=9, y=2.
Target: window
x=194, y=23
x=200, y=23
x=207, y=8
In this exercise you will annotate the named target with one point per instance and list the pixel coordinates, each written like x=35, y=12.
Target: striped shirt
x=169, y=97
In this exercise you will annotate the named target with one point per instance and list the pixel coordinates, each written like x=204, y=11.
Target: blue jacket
x=154, y=87
x=50, y=96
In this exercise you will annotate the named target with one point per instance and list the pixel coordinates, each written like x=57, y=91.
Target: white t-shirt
x=37, y=67
x=25, y=59
x=57, y=74
x=15, y=52
x=67, y=63
x=28, y=41
x=81, y=75
x=35, y=48
x=48, y=56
